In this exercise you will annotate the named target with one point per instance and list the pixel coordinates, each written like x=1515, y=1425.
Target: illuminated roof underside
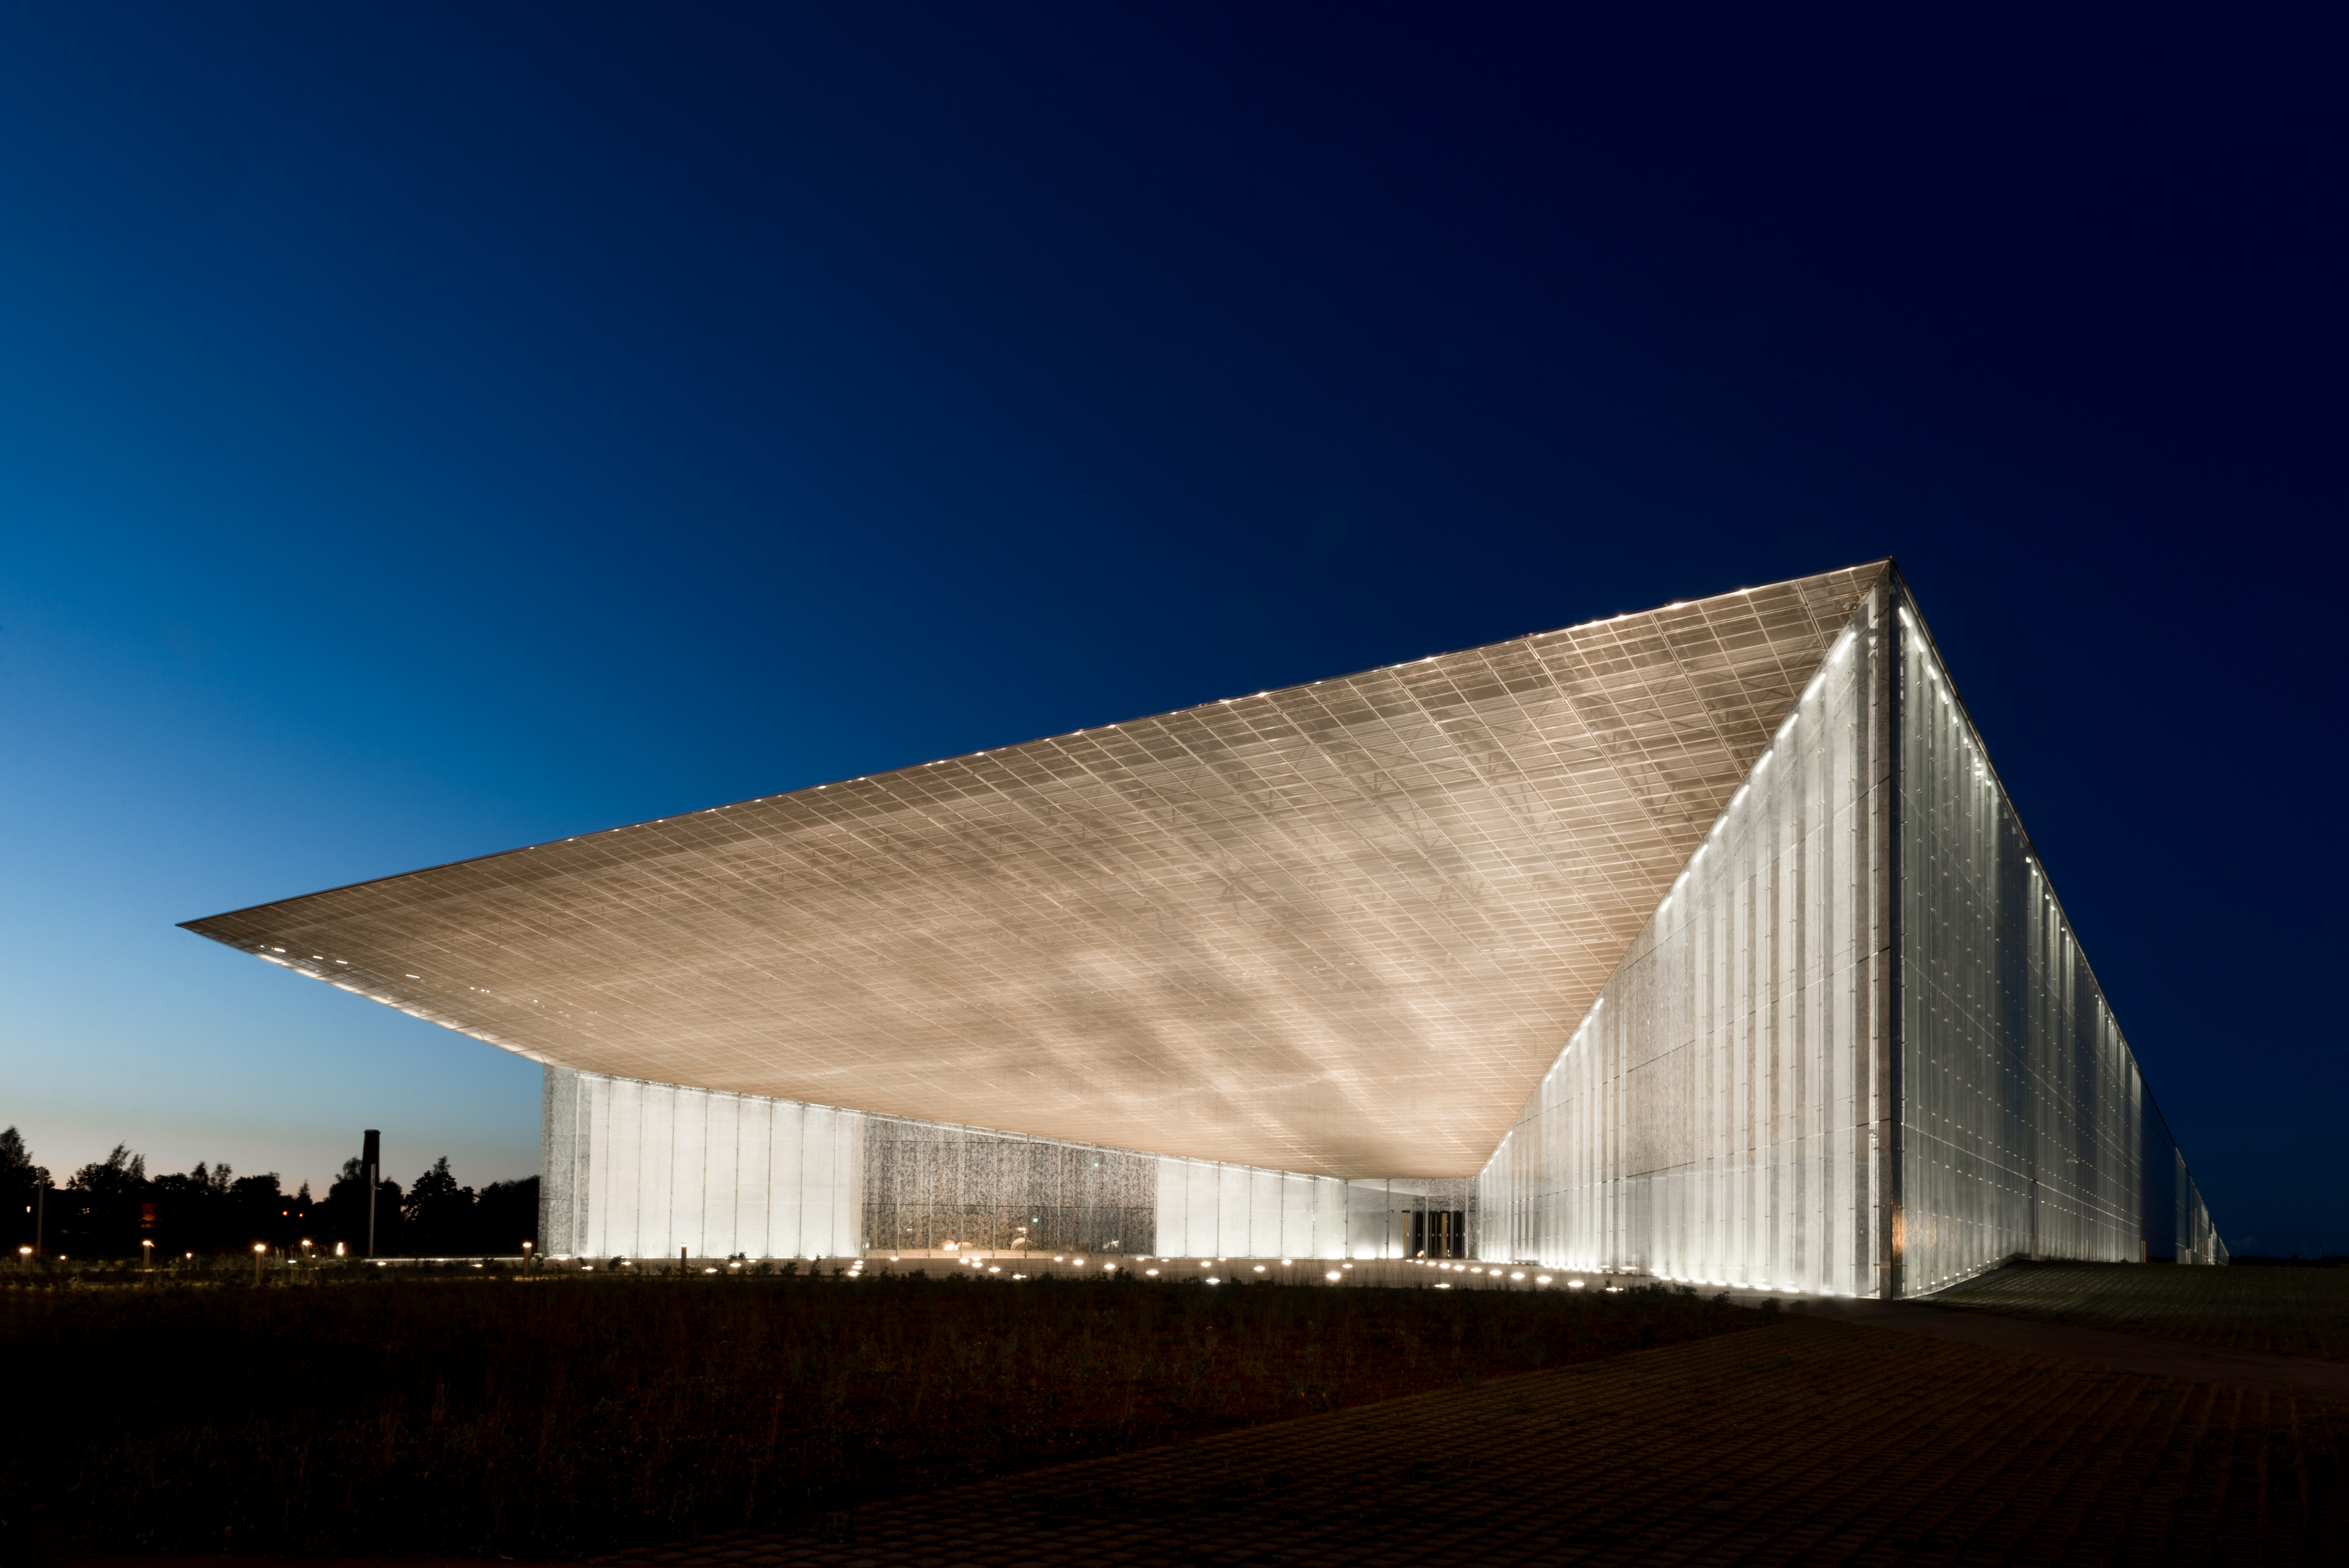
x=1342, y=928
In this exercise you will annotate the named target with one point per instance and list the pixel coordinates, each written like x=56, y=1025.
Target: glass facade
x=2027, y=1128
x=632, y=1168
x=929, y=1183
x=1717, y=1115
x=1857, y=1049
x=636, y=1168
x=1235, y=1211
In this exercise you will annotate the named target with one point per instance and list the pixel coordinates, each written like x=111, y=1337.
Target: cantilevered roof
x=1340, y=928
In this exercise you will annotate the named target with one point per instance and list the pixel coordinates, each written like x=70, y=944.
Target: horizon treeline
x=106, y=1209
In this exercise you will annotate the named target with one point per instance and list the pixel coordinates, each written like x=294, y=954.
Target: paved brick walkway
x=2267, y=1371
x=2302, y=1312
x=1813, y=1441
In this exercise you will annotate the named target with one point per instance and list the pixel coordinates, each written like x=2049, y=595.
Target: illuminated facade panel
x=1717, y=1117
x=1702, y=941
x=1857, y=1049
x=2026, y=1127
x=1337, y=929
x=633, y=1169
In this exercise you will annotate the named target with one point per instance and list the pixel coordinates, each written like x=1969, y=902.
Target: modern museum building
x=1702, y=943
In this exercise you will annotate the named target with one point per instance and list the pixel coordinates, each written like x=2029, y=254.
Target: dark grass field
x=559, y=1417
x=2291, y=1311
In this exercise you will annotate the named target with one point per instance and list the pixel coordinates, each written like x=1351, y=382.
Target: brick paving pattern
x=2291, y=1311
x=1812, y=1441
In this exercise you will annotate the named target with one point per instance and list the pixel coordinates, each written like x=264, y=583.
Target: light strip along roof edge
x=1340, y=927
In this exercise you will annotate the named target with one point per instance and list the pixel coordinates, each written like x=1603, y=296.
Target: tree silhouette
x=118, y=1175
x=438, y=1213
x=19, y=1177
x=17, y=1167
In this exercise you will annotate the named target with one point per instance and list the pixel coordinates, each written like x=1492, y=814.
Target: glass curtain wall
x=1857, y=1049
x=1716, y=1117
x=1212, y=1211
x=633, y=1169
x=2027, y=1128
x=929, y=1183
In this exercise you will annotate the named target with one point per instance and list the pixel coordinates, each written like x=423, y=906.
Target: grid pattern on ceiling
x=1339, y=928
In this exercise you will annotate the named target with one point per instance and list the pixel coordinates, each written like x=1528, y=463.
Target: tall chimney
x=372, y=1157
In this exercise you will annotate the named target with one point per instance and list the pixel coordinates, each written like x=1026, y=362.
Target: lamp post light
x=258, y=1249
x=525, y=1257
x=147, y=1255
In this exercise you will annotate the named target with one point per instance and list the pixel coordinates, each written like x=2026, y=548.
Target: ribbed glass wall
x=1236, y=1211
x=2027, y=1128
x=927, y=1184
x=640, y=1169
x=1858, y=1050
x=1716, y=1116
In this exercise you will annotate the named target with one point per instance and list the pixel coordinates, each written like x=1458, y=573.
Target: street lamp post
x=258, y=1248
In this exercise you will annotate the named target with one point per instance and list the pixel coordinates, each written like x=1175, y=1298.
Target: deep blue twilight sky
x=425, y=430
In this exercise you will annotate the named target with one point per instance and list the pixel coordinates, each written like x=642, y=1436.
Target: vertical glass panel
x=1711, y=1119
x=659, y=1167
x=2025, y=1126
x=753, y=1177
x=787, y=1234
x=721, y=1150
x=560, y=1164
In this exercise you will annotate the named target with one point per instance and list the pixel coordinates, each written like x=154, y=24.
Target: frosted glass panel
x=1209, y=1210
x=2026, y=1128
x=642, y=1169
x=653, y=1168
x=1857, y=1049
x=1715, y=1115
x=753, y=1176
